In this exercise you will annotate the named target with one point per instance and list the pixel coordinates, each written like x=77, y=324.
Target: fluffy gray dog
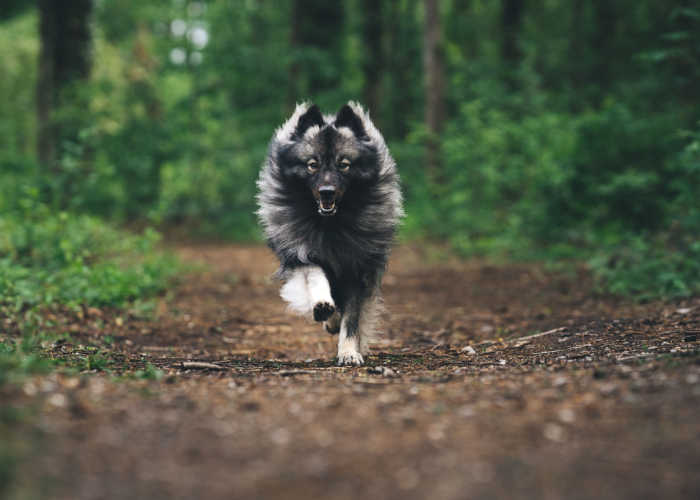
x=329, y=203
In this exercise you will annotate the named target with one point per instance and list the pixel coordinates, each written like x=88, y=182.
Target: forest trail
x=453, y=402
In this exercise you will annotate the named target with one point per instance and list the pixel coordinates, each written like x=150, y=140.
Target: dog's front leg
x=307, y=290
x=349, y=339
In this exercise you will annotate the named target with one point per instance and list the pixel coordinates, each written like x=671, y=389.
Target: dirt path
x=606, y=405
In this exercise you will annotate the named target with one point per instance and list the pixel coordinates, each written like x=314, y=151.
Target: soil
x=490, y=381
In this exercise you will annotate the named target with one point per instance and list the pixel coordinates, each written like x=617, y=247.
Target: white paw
x=348, y=358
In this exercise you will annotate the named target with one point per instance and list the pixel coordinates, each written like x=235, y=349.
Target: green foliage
x=19, y=359
x=48, y=258
x=575, y=145
x=149, y=372
x=649, y=268
x=18, y=68
x=665, y=263
x=499, y=172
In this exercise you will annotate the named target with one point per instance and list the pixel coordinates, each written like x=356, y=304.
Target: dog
x=330, y=203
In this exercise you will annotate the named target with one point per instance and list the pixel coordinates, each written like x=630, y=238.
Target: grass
x=76, y=260
x=19, y=359
x=54, y=262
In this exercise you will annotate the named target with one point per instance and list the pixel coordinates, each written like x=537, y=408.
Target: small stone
x=436, y=433
x=280, y=436
x=691, y=337
x=554, y=432
x=93, y=311
x=567, y=415
x=683, y=310
x=466, y=411
x=608, y=389
x=469, y=350
x=71, y=383
x=58, y=400
x=29, y=389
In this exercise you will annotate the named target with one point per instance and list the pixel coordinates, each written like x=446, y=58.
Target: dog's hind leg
x=369, y=320
x=307, y=290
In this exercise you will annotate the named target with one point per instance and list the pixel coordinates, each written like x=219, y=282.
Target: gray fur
x=352, y=246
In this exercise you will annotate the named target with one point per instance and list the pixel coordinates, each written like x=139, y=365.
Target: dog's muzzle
x=326, y=200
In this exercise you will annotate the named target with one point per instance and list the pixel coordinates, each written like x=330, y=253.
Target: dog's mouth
x=327, y=207
x=327, y=198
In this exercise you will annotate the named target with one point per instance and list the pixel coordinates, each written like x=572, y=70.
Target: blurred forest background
x=522, y=128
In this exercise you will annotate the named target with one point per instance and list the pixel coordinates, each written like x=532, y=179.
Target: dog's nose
x=327, y=192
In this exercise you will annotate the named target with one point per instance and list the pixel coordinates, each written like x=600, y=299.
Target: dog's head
x=328, y=156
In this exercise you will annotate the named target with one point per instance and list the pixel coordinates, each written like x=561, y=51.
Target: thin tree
x=373, y=61
x=64, y=59
x=434, y=67
x=316, y=42
x=511, y=22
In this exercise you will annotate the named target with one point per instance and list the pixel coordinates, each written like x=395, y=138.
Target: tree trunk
x=606, y=24
x=404, y=43
x=316, y=37
x=511, y=21
x=434, y=86
x=576, y=44
x=293, y=86
x=373, y=61
x=64, y=58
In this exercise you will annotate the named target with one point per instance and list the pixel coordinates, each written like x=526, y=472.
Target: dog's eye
x=344, y=165
x=312, y=165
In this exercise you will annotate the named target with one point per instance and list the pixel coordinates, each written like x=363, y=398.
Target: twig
x=289, y=373
x=201, y=365
x=572, y=348
x=541, y=334
x=635, y=356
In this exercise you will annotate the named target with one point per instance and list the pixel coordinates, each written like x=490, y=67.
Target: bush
x=665, y=263
x=48, y=258
x=499, y=173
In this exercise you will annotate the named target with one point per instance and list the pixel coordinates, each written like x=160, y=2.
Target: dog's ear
x=346, y=117
x=312, y=117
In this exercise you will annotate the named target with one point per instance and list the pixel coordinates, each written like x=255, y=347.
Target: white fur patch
x=311, y=132
x=306, y=287
x=285, y=132
x=349, y=347
x=346, y=132
x=319, y=288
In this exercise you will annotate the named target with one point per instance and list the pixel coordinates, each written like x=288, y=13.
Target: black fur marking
x=346, y=117
x=312, y=117
x=323, y=311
